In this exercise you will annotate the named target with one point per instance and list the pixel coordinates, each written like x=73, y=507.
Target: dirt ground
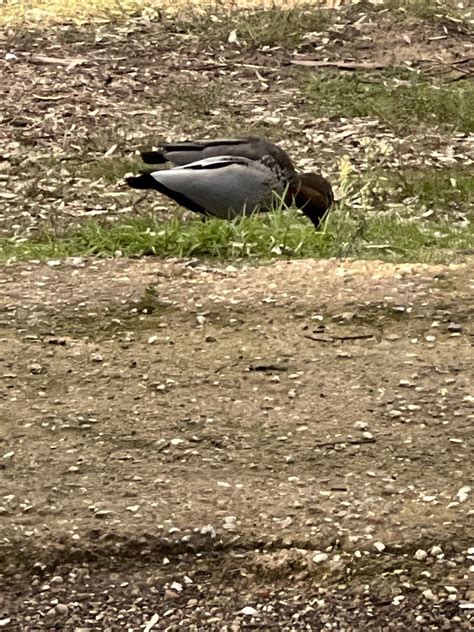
x=280, y=447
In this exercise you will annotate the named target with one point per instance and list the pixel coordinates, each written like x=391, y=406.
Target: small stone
x=103, y=513
x=395, y=413
x=176, y=441
x=463, y=493
x=379, y=546
x=208, y=530
x=420, y=555
x=96, y=357
x=249, y=611
x=61, y=609
x=229, y=523
x=436, y=550
x=210, y=339
x=272, y=120
x=429, y=594
x=77, y=262
x=344, y=354
x=36, y=368
x=320, y=557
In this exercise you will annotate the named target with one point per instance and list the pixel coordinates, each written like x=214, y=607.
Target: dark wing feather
x=251, y=147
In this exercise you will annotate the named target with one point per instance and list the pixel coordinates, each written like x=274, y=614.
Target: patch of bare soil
x=388, y=39
x=285, y=447
x=76, y=98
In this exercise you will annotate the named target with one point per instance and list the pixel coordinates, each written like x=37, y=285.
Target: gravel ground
x=210, y=448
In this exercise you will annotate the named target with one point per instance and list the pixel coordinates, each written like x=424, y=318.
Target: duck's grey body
x=224, y=187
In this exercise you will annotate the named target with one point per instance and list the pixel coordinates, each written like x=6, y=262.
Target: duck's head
x=314, y=196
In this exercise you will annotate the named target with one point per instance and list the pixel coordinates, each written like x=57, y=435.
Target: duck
x=227, y=178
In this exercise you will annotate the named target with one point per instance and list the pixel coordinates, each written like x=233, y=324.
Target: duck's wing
x=186, y=152
x=224, y=187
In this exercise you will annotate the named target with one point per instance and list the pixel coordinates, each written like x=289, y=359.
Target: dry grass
x=80, y=11
x=50, y=11
x=19, y=12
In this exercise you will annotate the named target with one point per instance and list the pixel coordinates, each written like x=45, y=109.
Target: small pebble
x=429, y=594
x=249, y=611
x=320, y=557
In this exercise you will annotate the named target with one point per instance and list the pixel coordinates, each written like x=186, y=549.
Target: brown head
x=314, y=196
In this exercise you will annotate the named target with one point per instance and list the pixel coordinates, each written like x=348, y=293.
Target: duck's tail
x=142, y=181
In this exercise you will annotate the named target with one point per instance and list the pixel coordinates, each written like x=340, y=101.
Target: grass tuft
x=275, y=26
x=427, y=9
x=400, y=102
x=446, y=192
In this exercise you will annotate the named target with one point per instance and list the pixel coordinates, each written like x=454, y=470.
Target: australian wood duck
x=230, y=177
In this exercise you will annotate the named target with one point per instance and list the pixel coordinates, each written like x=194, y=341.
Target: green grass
x=400, y=102
x=110, y=170
x=448, y=191
x=278, y=235
x=275, y=26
